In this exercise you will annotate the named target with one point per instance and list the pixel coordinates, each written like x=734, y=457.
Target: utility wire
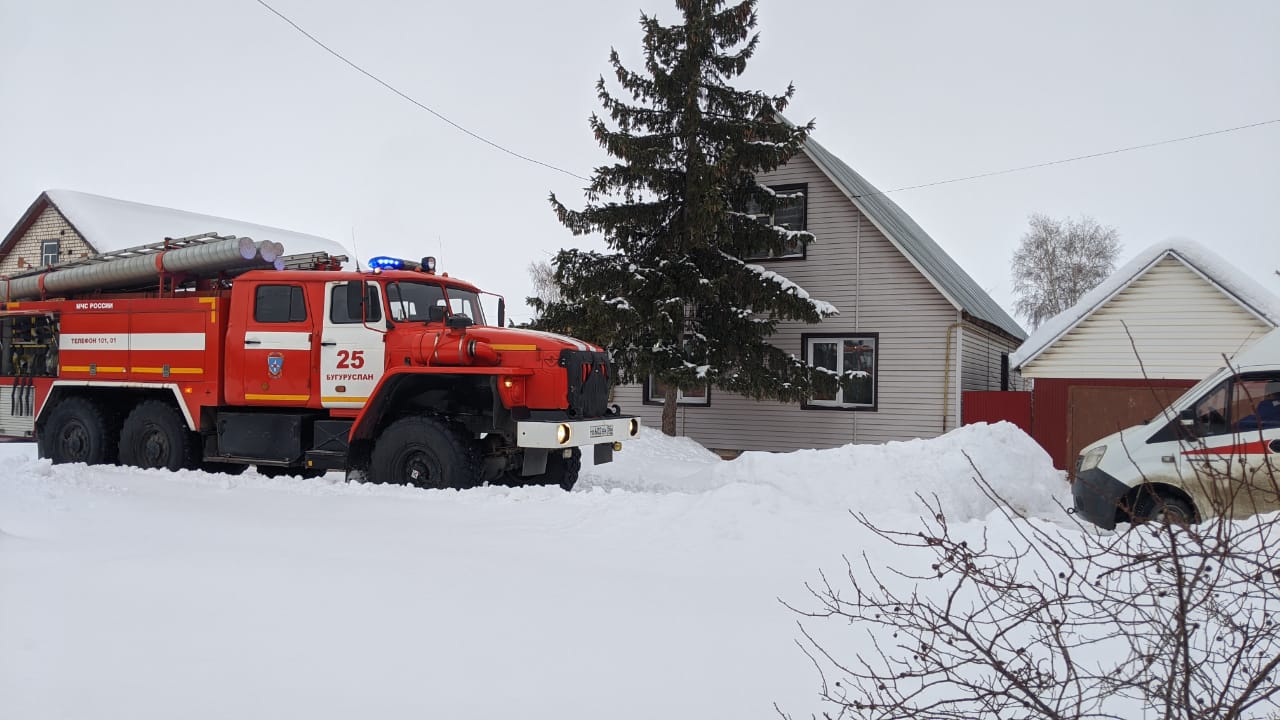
x=1074, y=159
x=393, y=89
x=549, y=166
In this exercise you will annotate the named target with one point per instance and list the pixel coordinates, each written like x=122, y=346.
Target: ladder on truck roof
x=173, y=262
x=298, y=261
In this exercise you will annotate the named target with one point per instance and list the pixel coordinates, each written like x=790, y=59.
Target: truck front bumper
x=1097, y=496
x=552, y=434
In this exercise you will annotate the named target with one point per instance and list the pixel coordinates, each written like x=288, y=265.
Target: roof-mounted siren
x=383, y=262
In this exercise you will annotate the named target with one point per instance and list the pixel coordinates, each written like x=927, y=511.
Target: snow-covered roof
x=1234, y=283
x=109, y=224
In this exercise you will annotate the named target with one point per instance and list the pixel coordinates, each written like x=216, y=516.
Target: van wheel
x=1154, y=507
x=155, y=435
x=426, y=453
x=78, y=432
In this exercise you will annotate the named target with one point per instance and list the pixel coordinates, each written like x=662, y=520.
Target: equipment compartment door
x=277, y=347
x=352, y=352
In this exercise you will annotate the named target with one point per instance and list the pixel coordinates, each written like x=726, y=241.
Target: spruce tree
x=679, y=210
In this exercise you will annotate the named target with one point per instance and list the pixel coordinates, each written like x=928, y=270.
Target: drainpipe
x=857, y=303
x=946, y=375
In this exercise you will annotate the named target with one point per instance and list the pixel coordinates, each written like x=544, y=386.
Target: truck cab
x=361, y=352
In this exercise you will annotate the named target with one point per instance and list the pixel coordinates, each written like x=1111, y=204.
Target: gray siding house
x=909, y=316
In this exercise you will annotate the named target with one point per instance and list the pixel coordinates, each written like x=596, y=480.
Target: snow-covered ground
x=651, y=590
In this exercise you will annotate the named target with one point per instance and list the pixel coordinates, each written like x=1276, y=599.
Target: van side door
x=1235, y=456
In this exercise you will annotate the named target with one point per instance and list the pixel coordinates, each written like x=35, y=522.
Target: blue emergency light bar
x=383, y=262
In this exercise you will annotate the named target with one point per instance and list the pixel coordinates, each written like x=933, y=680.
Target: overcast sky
x=222, y=108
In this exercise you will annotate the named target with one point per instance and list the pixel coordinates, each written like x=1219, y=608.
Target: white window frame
x=48, y=257
x=873, y=339
x=656, y=398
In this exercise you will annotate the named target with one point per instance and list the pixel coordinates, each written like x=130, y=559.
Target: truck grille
x=589, y=379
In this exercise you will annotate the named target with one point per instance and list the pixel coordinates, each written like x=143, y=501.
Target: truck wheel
x=78, y=432
x=155, y=435
x=561, y=471
x=424, y=452
x=1154, y=507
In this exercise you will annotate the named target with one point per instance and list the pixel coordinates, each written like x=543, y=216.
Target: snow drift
x=651, y=590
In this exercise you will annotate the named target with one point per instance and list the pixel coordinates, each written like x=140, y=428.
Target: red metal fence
x=991, y=406
x=1063, y=415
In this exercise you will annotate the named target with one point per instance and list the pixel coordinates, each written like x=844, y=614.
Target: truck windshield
x=413, y=301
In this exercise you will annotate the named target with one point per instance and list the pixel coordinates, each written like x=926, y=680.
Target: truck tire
x=561, y=471
x=78, y=432
x=424, y=452
x=155, y=435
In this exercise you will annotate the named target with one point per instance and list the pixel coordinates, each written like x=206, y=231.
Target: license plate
x=599, y=431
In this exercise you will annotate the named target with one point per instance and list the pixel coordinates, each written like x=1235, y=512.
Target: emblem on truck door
x=275, y=365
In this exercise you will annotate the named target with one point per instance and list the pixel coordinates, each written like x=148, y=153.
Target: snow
x=110, y=224
x=1214, y=268
x=651, y=590
x=824, y=309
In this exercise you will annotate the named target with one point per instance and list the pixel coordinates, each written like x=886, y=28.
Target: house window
x=655, y=393
x=49, y=252
x=852, y=358
x=279, y=304
x=791, y=212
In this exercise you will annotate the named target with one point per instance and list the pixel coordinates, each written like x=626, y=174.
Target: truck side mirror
x=458, y=321
x=357, y=296
x=502, y=312
x=1187, y=417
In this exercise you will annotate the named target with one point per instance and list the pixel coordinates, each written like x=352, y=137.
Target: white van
x=1215, y=450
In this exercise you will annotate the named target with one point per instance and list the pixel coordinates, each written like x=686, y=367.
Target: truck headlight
x=1090, y=460
x=563, y=433
x=633, y=427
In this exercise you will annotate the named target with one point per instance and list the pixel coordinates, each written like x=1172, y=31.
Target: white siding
x=1181, y=324
x=853, y=266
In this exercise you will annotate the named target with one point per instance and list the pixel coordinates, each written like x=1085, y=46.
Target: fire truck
x=221, y=352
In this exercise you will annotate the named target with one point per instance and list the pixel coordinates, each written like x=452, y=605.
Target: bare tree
x=1058, y=261
x=1162, y=620
x=545, y=289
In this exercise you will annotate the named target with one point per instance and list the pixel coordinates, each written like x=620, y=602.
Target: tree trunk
x=669, y=410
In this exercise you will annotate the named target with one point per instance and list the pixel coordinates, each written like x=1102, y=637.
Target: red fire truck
x=221, y=352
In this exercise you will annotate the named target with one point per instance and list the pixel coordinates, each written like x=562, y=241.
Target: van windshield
x=413, y=302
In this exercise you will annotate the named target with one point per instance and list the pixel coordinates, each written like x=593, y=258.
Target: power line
x=393, y=89
x=572, y=174
x=1074, y=159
